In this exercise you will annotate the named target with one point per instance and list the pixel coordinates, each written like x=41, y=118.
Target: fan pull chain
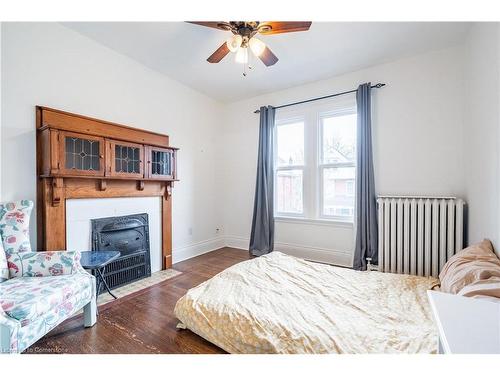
x=247, y=65
x=250, y=61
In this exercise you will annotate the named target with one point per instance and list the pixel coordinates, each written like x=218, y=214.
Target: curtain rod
x=376, y=86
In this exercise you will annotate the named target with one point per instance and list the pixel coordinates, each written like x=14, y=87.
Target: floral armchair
x=38, y=290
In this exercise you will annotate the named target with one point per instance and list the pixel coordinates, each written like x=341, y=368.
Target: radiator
x=417, y=235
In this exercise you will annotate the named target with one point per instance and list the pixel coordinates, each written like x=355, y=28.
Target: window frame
x=284, y=122
x=312, y=169
x=351, y=192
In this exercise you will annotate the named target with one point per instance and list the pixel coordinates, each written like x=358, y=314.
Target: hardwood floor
x=143, y=322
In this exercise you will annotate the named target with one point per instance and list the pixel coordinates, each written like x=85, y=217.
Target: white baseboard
x=237, y=242
x=317, y=254
x=185, y=252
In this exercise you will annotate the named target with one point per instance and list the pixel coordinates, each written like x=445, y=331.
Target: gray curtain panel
x=366, y=202
x=262, y=236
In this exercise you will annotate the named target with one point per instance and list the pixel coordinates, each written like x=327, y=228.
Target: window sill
x=321, y=222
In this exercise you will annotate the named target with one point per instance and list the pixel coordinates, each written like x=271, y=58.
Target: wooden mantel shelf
x=87, y=187
x=82, y=157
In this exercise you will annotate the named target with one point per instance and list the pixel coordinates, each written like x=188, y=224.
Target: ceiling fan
x=244, y=39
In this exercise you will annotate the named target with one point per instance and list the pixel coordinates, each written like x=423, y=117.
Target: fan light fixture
x=243, y=39
x=241, y=55
x=257, y=46
x=234, y=42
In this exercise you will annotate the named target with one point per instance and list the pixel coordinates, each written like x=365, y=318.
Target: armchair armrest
x=44, y=263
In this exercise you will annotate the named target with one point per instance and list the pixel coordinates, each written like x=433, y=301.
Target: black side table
x=96, y=262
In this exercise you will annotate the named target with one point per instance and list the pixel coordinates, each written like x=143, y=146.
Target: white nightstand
x=466, y=325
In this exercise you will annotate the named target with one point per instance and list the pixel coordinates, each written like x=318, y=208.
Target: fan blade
x=268, y=58
x=219, y=54
x=272, y=27
x=220, y=25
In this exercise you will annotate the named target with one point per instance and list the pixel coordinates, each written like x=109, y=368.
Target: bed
x=281, y=304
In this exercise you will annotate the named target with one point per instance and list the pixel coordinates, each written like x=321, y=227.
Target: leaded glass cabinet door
x=161, y=163
x=125, y=159
x=81, y=154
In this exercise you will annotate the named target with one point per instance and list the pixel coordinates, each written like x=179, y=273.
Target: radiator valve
x=370, y=266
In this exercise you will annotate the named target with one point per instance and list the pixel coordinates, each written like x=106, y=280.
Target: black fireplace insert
x=130, y=236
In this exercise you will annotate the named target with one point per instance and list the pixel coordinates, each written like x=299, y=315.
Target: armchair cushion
x=14, y=226
x=4, y=268
x=44, y=263
x=27, y=299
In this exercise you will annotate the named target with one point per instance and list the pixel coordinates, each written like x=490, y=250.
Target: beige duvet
x=282, y=304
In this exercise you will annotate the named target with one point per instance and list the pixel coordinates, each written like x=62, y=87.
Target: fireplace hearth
x=130, y=236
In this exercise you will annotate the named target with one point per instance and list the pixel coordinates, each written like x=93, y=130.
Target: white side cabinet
x=466, y=325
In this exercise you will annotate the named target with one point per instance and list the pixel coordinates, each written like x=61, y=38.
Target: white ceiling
x=179, y=50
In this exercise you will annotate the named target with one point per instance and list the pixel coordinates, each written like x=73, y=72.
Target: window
x=315, y=153
x=290, y=168
x=337, y=170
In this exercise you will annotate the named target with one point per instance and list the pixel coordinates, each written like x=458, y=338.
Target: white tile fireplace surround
x=80, y=211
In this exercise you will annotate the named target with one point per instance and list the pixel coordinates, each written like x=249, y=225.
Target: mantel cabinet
x=79, y=157
x=124, y=159
x=160, y=162
x=75, y=154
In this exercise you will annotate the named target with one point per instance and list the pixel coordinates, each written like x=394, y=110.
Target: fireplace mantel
x=83, y=157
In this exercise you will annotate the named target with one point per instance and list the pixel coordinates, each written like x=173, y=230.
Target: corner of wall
x=481, y=112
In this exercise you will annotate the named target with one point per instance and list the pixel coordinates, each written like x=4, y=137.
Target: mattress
x=281, y=304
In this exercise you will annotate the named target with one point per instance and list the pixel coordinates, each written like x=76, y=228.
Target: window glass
x=82, y=154
x=338, y=191
x=339, y=139
x=290, y=144
x=127, y=159
x=289, y=191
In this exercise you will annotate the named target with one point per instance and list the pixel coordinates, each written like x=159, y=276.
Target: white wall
x=481, y=132
x=48, y=64
x=417, y=126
